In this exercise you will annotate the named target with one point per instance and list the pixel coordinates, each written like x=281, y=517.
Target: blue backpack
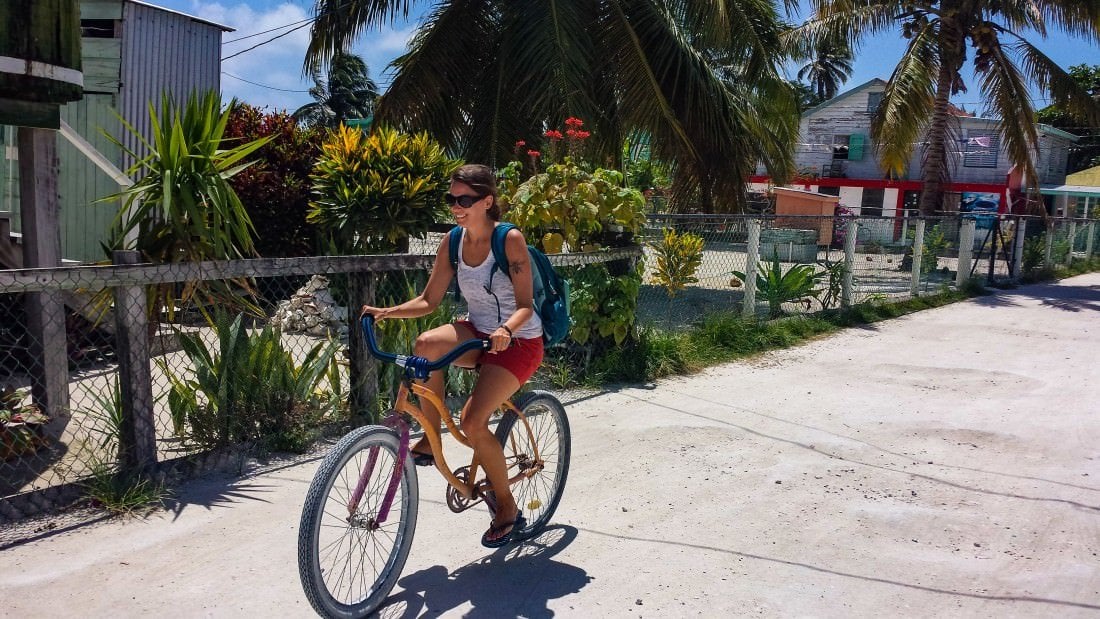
x=550, y=291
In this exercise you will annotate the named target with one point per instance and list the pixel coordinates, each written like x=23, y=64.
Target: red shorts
x=522, y=358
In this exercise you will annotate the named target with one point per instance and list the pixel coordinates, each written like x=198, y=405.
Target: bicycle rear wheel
x=538, y=495
x=348, y=560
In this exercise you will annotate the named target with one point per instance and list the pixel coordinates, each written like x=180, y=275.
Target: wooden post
x=918, y=256
x=40, y=210
x=1017, y=265
x=363, y=368
x=967, y=228
x=137, y=443
x=752, y=259
x=1072, y=238
x=1048, y=250
x=850, y=234
x=1088, y=240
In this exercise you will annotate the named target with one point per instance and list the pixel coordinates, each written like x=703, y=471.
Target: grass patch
x=124, y=494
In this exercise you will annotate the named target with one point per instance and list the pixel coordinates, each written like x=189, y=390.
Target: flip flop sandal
x=422, y=459
x=503, y=540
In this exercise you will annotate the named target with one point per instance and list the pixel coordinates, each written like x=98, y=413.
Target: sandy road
x=942, y=464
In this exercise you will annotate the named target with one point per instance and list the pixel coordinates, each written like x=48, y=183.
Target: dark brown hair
x=481, y=179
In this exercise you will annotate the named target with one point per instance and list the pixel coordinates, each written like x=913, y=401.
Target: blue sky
x=275, y=68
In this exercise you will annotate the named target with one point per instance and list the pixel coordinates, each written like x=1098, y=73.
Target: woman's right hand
x=379, y=313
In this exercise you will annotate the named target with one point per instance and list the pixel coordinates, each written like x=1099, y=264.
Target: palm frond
x=1052, y=78
x=906, y=102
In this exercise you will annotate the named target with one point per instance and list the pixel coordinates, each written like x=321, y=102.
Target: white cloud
x=278, y=64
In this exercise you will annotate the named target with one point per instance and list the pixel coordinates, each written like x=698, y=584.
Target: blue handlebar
x=417, y=367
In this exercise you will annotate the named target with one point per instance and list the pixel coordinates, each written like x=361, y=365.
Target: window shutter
x=855, y=147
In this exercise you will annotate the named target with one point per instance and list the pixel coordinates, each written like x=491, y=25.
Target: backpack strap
x=497, y=245
x=454, y=240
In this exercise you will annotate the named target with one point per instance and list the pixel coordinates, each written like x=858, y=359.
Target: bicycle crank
x=455, y=500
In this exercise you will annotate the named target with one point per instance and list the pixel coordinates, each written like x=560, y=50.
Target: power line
x=248, y=49
x=237, y=77
x=249, y=36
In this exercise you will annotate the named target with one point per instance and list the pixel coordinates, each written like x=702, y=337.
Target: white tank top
x=491, y=303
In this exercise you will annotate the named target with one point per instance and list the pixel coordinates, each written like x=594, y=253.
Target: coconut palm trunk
x=935, y=167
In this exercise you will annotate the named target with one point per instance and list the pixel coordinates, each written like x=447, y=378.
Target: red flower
x=573, y=121
x=553, y=134
x=580, y=135
x=572, y=133
x=533, y=153
x=521, y=144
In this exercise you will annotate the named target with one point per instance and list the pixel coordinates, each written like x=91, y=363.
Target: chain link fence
x=132, y=367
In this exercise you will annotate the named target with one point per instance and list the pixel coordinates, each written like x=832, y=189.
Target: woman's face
x=478, y=210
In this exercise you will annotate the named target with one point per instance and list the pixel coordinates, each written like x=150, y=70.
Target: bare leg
x=494, y=385
x=433, y=344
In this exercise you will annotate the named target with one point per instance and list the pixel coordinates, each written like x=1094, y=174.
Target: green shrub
x=372, y=193
x=678, y=257
x=276, y=190
x=250, y=389
x=777, y=286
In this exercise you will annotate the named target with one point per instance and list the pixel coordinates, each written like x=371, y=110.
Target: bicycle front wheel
x=349, y=555
x=545, y=448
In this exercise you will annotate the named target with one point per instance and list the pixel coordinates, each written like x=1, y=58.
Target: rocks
x=311, y=310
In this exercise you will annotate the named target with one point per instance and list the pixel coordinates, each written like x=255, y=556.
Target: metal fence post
x=1088, y=240
x=1072, y=239
x=1017, y=265
x=850, y=234
x=918, y=255
x=752, y=258
x=137, y=440
x=967, y=228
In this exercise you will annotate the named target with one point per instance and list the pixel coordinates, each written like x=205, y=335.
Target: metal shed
x=132, y=51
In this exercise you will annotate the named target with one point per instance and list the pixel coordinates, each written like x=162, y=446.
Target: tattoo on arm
x=517, y=267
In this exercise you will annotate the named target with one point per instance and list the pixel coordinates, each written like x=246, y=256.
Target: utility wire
x=248, y=49
x=237, y=77
x=256, y=34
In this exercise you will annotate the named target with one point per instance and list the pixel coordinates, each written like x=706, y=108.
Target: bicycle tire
x=539, y=495
x=327, y=533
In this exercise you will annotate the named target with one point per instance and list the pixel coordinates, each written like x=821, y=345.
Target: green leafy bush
x=251, y=389
x=678, y=257
x=569, y=207
x=276, y=190
x=602, y=304
x=371, y=193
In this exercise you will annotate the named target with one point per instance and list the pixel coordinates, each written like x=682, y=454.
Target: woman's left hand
x=500, y=340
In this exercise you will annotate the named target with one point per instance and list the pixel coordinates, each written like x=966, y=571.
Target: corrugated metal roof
x=198, y=19
x=1069, y=190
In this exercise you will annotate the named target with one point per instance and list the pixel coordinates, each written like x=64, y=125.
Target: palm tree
x=347, y=92
x=828, y=66
x=481, y=74
x=941, y=33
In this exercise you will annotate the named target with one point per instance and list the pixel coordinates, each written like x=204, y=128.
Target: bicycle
x=360, y=510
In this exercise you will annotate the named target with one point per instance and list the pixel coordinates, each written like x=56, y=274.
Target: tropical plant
x=371, y=193
x=275, y=191
x=182, y=208
x=703, y=80
x=21, y=424
x=833, y=274
x=346, y=92
x=569, y=206
x=777, y=286
x=603, y=305
x=828, y=66
x=678, y=257
x=916, y=100
x=249, y=389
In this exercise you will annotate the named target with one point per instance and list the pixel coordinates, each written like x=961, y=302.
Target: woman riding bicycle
x=501, y=311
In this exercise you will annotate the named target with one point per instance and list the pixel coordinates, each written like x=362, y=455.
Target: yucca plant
x=182, y=208
x=777, y=286
x=249, y=389
x=372, y=192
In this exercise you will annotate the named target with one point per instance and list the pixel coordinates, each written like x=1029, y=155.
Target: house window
x=829, y=191
x=871, y=202
x=98, y=29
x=980, y=149
x=874, y=99
x=840, y=147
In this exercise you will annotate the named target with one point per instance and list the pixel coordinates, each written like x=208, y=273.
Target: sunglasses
x=463, y=201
